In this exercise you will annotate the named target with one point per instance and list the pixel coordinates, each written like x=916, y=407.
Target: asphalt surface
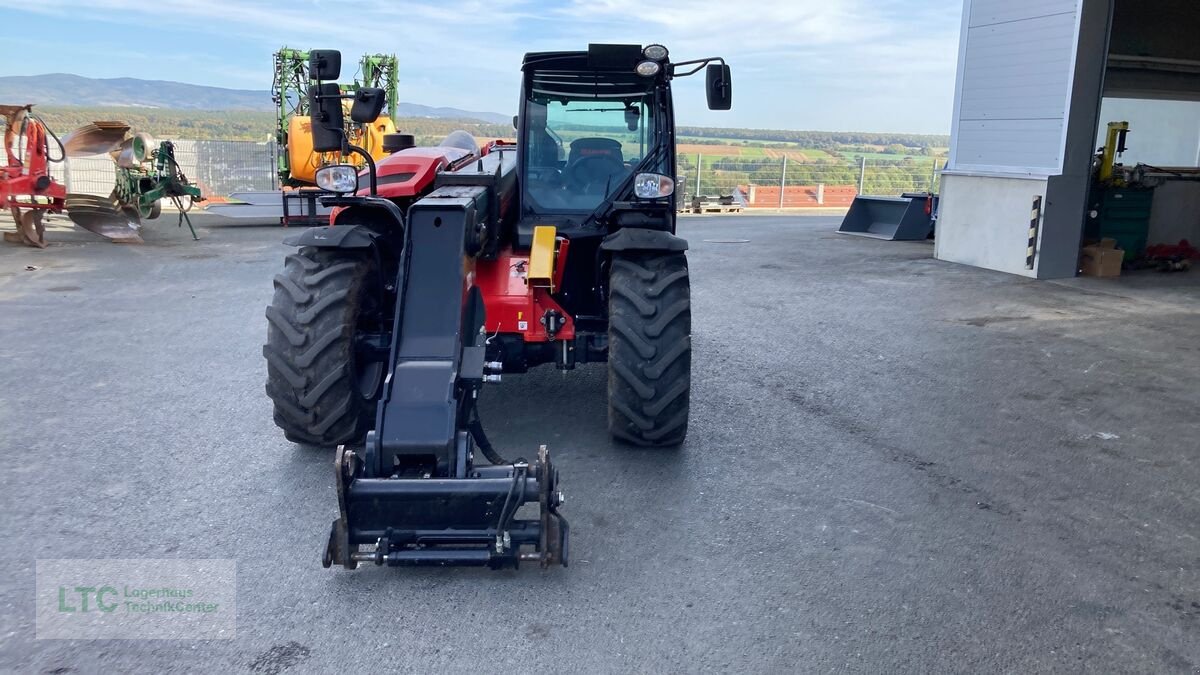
x=894, y=464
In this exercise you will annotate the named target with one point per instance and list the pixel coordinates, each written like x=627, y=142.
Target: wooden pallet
x=717, y=208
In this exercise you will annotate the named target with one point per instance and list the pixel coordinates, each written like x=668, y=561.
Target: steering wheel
x=588, y=171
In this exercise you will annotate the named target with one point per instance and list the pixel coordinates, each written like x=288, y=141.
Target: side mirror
x=516, y=120
x=368, y=104
x=632, y=117
x=719, y=86
x=324, y=64
x=325, y=106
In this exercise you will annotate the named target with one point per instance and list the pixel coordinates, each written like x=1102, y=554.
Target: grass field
x=775, y=151
x=798, y=154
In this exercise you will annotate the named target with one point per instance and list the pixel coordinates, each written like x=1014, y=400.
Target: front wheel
x=323, y=395
x=649, y=349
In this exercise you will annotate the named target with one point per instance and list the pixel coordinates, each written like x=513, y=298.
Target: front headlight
x=655, y=53
x=338, y=178
x=653, y=186
x=648, y=68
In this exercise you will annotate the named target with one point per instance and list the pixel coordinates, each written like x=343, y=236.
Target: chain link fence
x=221, y=168
x=218, y=168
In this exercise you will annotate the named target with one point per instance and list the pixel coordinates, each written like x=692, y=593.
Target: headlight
x=653, y=186
x=655, y=53
x=338, y=178
x=648, y=68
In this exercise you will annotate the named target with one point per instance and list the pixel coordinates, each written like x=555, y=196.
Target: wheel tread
x=275, y=360
x=294, y=335
x=649, y=356
x=310, y=333
x=310, y=314
x=297, y=294
x=666, y=317
x=322, y=275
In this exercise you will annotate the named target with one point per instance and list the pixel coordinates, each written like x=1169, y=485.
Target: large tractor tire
x=649, y=349
x=322, y=397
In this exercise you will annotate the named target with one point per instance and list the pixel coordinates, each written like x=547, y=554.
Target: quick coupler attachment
x=435, y=522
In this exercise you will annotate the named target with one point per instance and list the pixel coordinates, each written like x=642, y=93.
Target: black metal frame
x=308, y=198
x=414, y=495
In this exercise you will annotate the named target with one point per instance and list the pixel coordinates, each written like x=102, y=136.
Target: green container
x=1124, y=215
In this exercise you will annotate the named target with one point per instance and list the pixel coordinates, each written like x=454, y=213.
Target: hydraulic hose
x=481, y=440
x=62, y=152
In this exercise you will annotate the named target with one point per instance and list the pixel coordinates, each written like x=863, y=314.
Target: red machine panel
x=512, y=305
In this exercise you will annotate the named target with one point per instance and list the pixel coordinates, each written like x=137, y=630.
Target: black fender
x=640, y=239
x=376, y=206
x=335, y=236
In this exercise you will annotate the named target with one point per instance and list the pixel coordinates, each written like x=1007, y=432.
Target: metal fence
x=221, y=168
x=783, y=183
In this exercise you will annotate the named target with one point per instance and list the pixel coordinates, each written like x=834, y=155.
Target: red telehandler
x=445, y=267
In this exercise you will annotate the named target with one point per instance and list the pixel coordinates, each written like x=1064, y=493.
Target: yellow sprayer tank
x=303, y=162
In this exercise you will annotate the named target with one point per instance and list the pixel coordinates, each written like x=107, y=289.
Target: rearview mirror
x=719, y=86
x=632, y=117
x=368, y=104
x=325, y=106
x=324, y=64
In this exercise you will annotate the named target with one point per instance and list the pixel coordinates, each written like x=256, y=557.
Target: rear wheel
x=323, y=395
x=649, y=349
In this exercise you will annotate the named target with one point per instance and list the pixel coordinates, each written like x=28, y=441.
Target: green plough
x=146, y=174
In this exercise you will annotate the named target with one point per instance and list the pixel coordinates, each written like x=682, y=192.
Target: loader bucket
x=102, y=216
x=906, y=218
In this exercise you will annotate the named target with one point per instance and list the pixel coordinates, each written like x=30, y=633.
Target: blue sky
x=865, y=65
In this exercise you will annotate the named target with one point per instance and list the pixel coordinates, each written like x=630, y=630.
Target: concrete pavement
x=894, y=464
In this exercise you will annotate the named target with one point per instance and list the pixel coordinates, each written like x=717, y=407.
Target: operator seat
x=592, y=146
x=595, y=161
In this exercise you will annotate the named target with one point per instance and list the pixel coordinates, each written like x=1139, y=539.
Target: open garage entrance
x=1038, y=84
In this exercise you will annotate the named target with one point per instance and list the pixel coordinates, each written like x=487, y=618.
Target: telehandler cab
x=444, y=267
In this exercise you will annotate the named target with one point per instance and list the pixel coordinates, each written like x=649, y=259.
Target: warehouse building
x=1039, y=82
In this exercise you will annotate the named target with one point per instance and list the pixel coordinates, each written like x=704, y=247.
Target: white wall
x=1163, y=133
x=1012, y=102
x=1015, y=67
x=984, y=221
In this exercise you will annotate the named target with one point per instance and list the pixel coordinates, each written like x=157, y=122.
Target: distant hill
x=61, y=89
x=239, y=125
x=73, y=90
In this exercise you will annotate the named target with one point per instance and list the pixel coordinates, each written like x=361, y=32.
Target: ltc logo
x=82, y=596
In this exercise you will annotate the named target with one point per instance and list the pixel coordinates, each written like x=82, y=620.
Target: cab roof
x=602, y=72
x=598, y=57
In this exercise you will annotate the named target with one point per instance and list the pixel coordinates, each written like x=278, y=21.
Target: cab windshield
x=578, y=152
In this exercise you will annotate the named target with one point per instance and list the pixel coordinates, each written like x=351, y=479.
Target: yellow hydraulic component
x=1114, y=144
x=303, y=162
x=541, y=257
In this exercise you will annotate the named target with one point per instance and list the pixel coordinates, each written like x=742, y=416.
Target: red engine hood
x=409, y=172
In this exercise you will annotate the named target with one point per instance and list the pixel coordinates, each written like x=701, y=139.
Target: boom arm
x=381, y=70
x=416, y=493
